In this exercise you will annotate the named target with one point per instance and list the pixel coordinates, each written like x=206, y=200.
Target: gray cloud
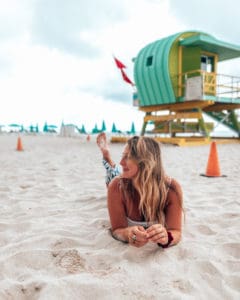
x=216, y=17
x=112, y=91
x=60, y=23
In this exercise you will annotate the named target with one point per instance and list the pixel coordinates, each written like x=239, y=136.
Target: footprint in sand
x=68, y=259
x=71, y=261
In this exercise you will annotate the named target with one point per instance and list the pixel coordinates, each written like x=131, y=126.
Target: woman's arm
x=136, y=235
x=174, y=211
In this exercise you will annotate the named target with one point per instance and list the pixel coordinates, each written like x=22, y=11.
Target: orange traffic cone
x=213, y=167
x=19, y=144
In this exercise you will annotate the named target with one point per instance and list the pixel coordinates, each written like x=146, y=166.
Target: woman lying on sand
x=144, y=204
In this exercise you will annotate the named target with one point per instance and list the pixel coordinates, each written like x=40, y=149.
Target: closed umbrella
x=133, y=131
x=103, y=126
x=83, y=130
x=114, y=129
x=45, y=127
x=95, y=129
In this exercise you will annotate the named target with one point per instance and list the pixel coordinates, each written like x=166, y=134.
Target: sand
x=54, y=226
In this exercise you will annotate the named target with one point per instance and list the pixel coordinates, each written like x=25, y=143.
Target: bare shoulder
x=175, y=185
x=175, y=193
x=114, y=185
x=114, y=192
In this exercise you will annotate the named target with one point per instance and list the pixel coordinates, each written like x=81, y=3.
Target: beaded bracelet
x=170, y=238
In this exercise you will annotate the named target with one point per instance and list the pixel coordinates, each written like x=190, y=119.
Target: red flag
x=119, y=64
x=125, y=78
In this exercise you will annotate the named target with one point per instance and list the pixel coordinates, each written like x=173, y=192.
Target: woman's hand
x=137, y=236
x=157, y=234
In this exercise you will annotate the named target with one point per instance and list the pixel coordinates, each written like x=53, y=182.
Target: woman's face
x=129, y=166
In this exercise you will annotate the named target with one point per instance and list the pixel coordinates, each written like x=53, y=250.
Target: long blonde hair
x=150, y=181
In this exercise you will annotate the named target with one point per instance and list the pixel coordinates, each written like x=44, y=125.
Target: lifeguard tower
x=177, y=83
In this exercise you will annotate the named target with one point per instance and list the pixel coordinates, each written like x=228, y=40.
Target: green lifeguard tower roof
x=208, y=43
x=159, y=65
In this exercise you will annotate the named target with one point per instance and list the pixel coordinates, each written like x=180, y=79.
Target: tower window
x=207, y=63
x=149, y=61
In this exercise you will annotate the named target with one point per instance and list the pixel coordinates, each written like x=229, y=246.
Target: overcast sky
x=56, y=56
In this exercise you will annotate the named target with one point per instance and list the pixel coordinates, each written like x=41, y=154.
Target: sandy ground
x=54, y=226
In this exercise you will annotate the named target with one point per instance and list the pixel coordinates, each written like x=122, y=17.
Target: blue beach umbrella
x=103, y=126
x=133, y=131
x=45, y=127
x=114, y=129
x=53, y=126
x=83, y=130
x=15, y=126
x=95, y=129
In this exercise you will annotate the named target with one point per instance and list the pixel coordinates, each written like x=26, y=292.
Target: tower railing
x=213, y=84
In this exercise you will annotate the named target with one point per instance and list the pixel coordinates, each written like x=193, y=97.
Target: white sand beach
x=54, y=226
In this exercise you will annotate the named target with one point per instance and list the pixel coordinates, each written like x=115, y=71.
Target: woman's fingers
x=157, y=234
x=137, y=236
